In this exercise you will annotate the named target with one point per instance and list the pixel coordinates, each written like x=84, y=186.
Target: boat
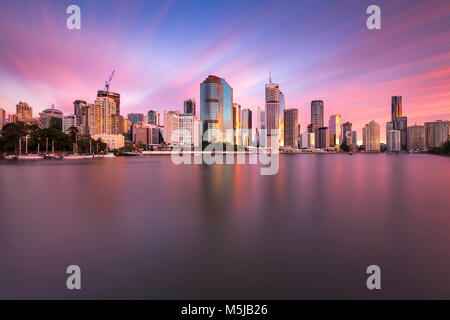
x=108, y=155
x=131, y=154
x=52, y=157
x=75, y=157
x=30, y=157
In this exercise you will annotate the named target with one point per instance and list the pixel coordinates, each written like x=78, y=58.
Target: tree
x=345, y=147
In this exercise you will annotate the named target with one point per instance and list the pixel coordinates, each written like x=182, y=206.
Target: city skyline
x=340, y=61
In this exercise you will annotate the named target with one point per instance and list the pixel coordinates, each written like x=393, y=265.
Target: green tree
x=345, y=147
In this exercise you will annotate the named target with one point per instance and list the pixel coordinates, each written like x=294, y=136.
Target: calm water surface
x=145, y=228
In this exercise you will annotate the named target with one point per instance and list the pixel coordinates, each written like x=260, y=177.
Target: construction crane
x=109, y=81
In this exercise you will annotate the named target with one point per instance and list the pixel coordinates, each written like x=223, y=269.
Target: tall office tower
x=372, y=137
x=24, y=111
x=396, y=111
x=399, y=122
x=291, y=128
x=402, y=126
x=153, y=117
x=189, y=130
x=112, y=95
x=78, y=106
x=317, y=111
x=141, y=133
x=136, y=118
x=261, y=125
x=307, y=141
x=354, y=138
x=436, y=133
x=324, y=138
x=416, y=137
x=335, y=127
x=236, y=118
x=346, y=132
x=281, y=119
x=2, y=119
x=69, y=121
x=364, y=136
x=247, y=128
x=393, y=140
x=189, y=106
x=171, y=124
x=105, y=109
x=273, y=105
x=216, y=104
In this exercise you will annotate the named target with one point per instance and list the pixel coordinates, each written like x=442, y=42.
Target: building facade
x=334, y=124
x=436, y=133
x=153, y=117
x=247, y=128
x=372, y=142
x=393, y=140
x=216, y=104
x=291, y=128
x=189, y=106
x=171, y=126
x=416, y=138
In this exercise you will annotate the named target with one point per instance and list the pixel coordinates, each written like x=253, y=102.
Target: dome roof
x=52, y=110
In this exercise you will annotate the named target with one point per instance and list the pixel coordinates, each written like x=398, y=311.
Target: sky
x=162, y=50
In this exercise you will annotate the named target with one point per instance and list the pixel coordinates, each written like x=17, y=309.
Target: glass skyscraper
x=216, y=107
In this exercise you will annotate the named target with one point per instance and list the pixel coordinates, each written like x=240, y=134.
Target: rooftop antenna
x=109, y=81
x=270, y=76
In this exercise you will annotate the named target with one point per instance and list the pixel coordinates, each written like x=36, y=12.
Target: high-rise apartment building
x=171, y=126
x=393, y=140
x=189, y=106
x=416, y=137
x=24, y=112
x=105, y=110
x=216, y=108
x=372, y=142
x=112, y=95
x=436, y=133
x=291, y=128
x=317, y=113
x=307, y=141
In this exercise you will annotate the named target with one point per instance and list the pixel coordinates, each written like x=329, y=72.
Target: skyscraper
x=291, y=128
x=354, y=138
x=236, y=124
x=324, y=137
x=189, y=106
x=24, y=111
x=317, y=110
x=189, y=127
x=372, y=137
x=112, y=95
x=171, y=124
x=106, y=110
x=416, y=137
x=436, y=133
x=247, y=132
x=153, y=117
x=346, y=132
x=393, y=140
x=399, y=122
x=281, y=119
x=2, y=119
x=335, y=127
x=261, y=125
x=272, y=110
x=216, y=101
